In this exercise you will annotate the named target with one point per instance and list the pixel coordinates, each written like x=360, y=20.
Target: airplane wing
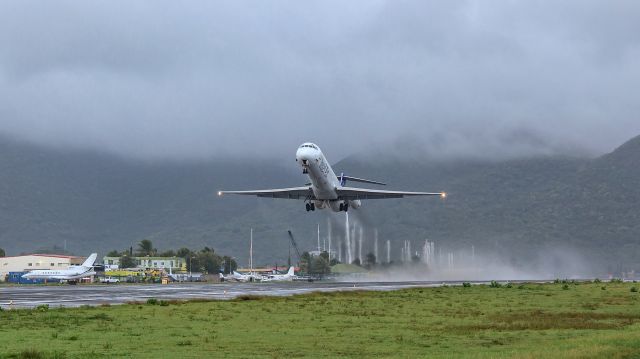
x=289, y=193
x=352, y=193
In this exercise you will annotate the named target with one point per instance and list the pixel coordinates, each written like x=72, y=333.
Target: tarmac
x=29, y=296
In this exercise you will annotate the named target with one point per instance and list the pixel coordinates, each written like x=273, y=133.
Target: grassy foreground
x=599, y=320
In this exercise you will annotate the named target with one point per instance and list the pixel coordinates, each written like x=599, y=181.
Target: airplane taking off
x=327, y=190
x=70, y=274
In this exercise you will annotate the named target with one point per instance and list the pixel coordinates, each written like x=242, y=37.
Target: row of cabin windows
x=310, y=146
x=38, y=264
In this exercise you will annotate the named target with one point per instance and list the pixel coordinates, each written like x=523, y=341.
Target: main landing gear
x=344, y=207
x=311, y=207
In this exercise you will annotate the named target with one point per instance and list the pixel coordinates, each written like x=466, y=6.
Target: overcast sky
x=158, y=79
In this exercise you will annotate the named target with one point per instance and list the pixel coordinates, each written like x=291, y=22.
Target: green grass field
x=586, y=320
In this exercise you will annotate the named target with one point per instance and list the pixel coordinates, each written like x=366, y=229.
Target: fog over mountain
x=160, y=79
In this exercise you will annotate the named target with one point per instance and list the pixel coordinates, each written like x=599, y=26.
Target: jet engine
x=355, y=203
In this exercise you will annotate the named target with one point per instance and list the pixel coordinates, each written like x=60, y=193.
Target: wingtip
x=443, y=195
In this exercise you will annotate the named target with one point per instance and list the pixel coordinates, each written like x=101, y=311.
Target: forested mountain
x=513, y=208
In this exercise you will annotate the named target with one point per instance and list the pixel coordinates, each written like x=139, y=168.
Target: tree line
x=205, y=260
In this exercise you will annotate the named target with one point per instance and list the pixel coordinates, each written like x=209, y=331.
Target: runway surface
x=29, y=296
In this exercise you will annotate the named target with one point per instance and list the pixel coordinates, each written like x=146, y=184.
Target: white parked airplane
x=327, y=190
x=72, y=273
x=239, y=277
x=289, y=276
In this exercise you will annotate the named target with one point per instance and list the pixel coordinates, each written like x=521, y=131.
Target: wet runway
x=29, y=296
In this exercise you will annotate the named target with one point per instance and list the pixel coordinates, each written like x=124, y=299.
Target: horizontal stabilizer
x=343, y=179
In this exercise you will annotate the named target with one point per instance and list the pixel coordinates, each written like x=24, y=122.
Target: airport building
x=29, y=262
x=175, y=263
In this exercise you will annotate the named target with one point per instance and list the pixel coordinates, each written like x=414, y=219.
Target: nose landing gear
x=344, y=207
x=310, y=207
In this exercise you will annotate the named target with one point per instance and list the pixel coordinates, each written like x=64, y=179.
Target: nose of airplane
x=304, y=155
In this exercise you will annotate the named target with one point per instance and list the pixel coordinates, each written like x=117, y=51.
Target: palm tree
x=145, y=248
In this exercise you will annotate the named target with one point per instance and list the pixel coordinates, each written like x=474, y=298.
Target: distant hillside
x=513, y=208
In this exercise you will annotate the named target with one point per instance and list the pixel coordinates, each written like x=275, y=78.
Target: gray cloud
x=164, y=79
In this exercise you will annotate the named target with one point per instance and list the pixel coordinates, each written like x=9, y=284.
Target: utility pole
x=329, y=236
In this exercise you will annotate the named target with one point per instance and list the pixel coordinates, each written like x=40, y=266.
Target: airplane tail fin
x=90, y=260
x=291, y=271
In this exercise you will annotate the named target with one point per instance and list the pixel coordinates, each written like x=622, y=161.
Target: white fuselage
x=324, y=181
x=68, y=274
x=280, y=277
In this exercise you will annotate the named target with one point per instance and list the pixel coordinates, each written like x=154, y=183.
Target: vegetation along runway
x=574, y=320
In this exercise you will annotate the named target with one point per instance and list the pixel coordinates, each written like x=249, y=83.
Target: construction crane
x=295, y=246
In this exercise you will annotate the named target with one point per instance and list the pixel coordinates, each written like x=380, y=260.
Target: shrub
x=521, y=286
x=164, y=303
x=152, y=301
x=634, y=289
x=597, y=280
x=565, y=287
x=615, y=280
x=42, y=307
x=466, y=284
x=509, y=285
x=31, y=354
x=495, y=284
x=603, y=288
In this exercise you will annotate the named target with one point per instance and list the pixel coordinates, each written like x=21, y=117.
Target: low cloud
x=167, y=80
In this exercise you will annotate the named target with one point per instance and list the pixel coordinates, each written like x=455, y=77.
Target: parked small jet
x=71, y=274
x=327, y=190
x=289, y=276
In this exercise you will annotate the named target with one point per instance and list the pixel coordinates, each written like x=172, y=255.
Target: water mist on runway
x=427, y=259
